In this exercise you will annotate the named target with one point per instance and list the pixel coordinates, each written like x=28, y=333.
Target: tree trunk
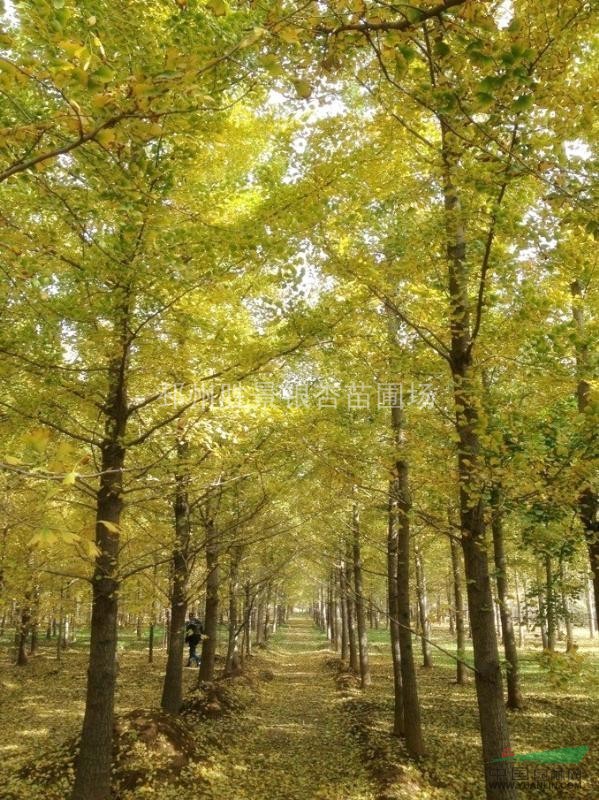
x=212, y=603
x=588, y=501
x=34, y=624
x=265, y=632
x=450, y=606
x=259, y=620
x=343, y=604
x=514, y=695
x=354, y=664
x=92, y=770
x=93, y=762
x=565, y=605
x=24, y=629
x=588, y=591
x=542, y=608
x=232, y=658
x=489, y=689
x=461, y=674
x=422, y=600
x=550, y=603
x=398, y=719
x=411, y=704
x=172, y=688
x=365, y=678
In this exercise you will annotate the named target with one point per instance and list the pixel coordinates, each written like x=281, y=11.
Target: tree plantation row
x=299, y=311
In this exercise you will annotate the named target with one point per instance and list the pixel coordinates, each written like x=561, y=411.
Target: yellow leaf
x=303, y=88
x=251, y=38
x=100, y=100
x=110, y=526
x=106, y=136
x=218, y=7
x=289, y=35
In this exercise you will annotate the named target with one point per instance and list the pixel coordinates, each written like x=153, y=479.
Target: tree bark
x=343, y=604
x=232, y=658
x=550, y=603
x=93, y=763
x=266, y=632
x=518, y=610
x=489, y=689
x=411, y=704
x=542, y=605
x=422, y=601
x=514, y=694
x=259, y=619
x=566, y=606
x=24, y=630
x=461, y=674
x=172, y=688
x=589, y=602
x=588, y=501
x=212, y=602
x=354, y=664
x=365, y=678
x=392, y=533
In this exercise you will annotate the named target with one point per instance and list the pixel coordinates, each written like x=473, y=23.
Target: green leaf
x=104, y=74
x=407, y=52
x=524, y=102
x=442, y=49
x=484, y=99
x=413, y=15
x=303, y=88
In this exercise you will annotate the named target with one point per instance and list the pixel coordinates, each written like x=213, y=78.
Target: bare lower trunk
x=461, y=674
x=588, y=501
x=266, y=630
x=398, y=718
x=93, y=763
x=450, y=607
x=541, y=601
x=351, y=626
x=566, y=606
x=422, y=600
x=514, y=695
x=232, y=658
x=518, y=610
x=23, y=632
x=589, y=602
x=259, y=621
x=172, y=688
x=411, y=703
x=212, y=603
x=550, y=603
x=247, y=614
x=343, y=604
x=365, y=679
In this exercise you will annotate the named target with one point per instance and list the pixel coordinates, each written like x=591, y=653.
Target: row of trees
x=278, y=270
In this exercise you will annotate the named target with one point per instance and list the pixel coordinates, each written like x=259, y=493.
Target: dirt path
x=292, y=744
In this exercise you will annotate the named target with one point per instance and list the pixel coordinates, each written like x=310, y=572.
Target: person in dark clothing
x=193, y=636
